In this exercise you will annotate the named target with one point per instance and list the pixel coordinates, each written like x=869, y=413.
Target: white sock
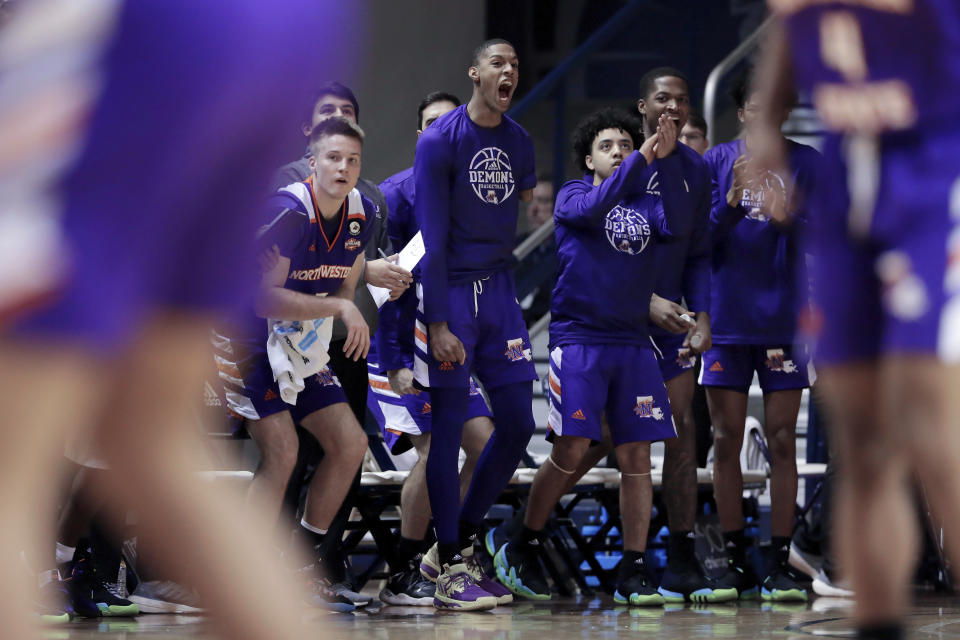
x=310, y=527
x=64, y=553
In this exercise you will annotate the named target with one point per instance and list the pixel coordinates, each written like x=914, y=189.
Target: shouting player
x=472, y=168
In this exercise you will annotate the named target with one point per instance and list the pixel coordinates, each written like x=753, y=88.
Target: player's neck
x=328, y=207
x=481, y=114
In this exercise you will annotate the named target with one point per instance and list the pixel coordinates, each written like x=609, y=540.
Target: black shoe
x=683, y=582
x=742, y=578
x=409, y=588
x=494, y=539
x=781, y=586
x=52, y=603
x=86, y=583
x=338, y=580
x=520, y=571
x=321, y=593
x=638, y=589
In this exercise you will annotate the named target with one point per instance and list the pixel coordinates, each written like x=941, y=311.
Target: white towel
x=297, y=350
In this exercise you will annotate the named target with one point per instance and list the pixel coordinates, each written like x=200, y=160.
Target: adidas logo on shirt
x=210, y=397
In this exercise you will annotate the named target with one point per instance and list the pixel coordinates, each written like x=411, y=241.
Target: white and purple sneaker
x=430, y=564
x=458, y=591
x=485, y=582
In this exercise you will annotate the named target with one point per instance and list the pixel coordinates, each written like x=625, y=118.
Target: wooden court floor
x=933, y=616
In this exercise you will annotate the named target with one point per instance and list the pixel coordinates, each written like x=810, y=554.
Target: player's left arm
x=358, y=333
x=696, y=270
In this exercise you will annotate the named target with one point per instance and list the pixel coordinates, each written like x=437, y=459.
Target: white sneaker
x=164, y=596
x=808, y=563
x=823, y=586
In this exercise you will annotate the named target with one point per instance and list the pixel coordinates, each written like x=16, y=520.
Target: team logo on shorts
x=351, y=244
x=647, y=409
x=491, y=176
x=516, y=352
x=685, y=361
x=325, y=377
x=777, y=362
x=627, y=230
x=754, y=198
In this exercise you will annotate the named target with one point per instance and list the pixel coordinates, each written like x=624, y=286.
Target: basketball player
x=404, y=412
x=885, y=226
x=601, y=358
x=758, y=288
x=472, y=167
x=317, y=230
x=135, y=145
x=684, y=274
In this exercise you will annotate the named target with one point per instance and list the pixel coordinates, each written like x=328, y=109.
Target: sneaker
x=494, y=539
x=430, y=563
x=781, y=586
x=804, y=561
x=521, y=573
x=52, y=603
x=458, y=591
x=485, y=582
x=408, y=588
x=683, y=582
x=824, y=586
x=639, y=590
x=741, y=578
x=165, y=596
x=345, y=590
x=86, y=583
x=321, y=593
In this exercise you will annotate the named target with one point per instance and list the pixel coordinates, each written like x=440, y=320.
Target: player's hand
x=386, y=274
x=669, y=315
x=401, y=381
x=647, y=148
x=445, y=346
x=666, y=136
x=357, y=343
x=267, y=260
x=699, y=337
x=741, y=180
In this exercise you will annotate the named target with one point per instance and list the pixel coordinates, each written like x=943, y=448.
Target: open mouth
x=505, y=90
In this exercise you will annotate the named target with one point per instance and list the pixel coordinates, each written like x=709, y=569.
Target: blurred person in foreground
x=886, y=274
x=135, y=144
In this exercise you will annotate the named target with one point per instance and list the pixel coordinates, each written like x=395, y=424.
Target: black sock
x=736, y=545
x=449, y=553
x=887, y=631
x=682, y=549
x=525, y=538
x=513, y=526
x=779, y=551
x=407, y=550
x=631, y=563
x=469, y=532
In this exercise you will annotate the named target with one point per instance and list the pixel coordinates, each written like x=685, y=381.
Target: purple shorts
x=896, y=287
x=409, y=413
x=252, y=393
x=194, y=106
x=671, y=363
x=778, y=367
x=486, y=317
x=623, y=381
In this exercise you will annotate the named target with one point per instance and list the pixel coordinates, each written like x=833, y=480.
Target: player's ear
x=313, y=163
x=588, y=160
x=305, y=128
x=474, y=73
x=642, y=106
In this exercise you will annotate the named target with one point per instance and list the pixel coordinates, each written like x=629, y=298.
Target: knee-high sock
x=449, y=411
x=514, y=425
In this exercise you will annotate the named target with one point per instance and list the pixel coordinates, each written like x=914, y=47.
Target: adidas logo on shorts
x=716, y=366
x=578, y=415
x=446, y=366
x=269, y=395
